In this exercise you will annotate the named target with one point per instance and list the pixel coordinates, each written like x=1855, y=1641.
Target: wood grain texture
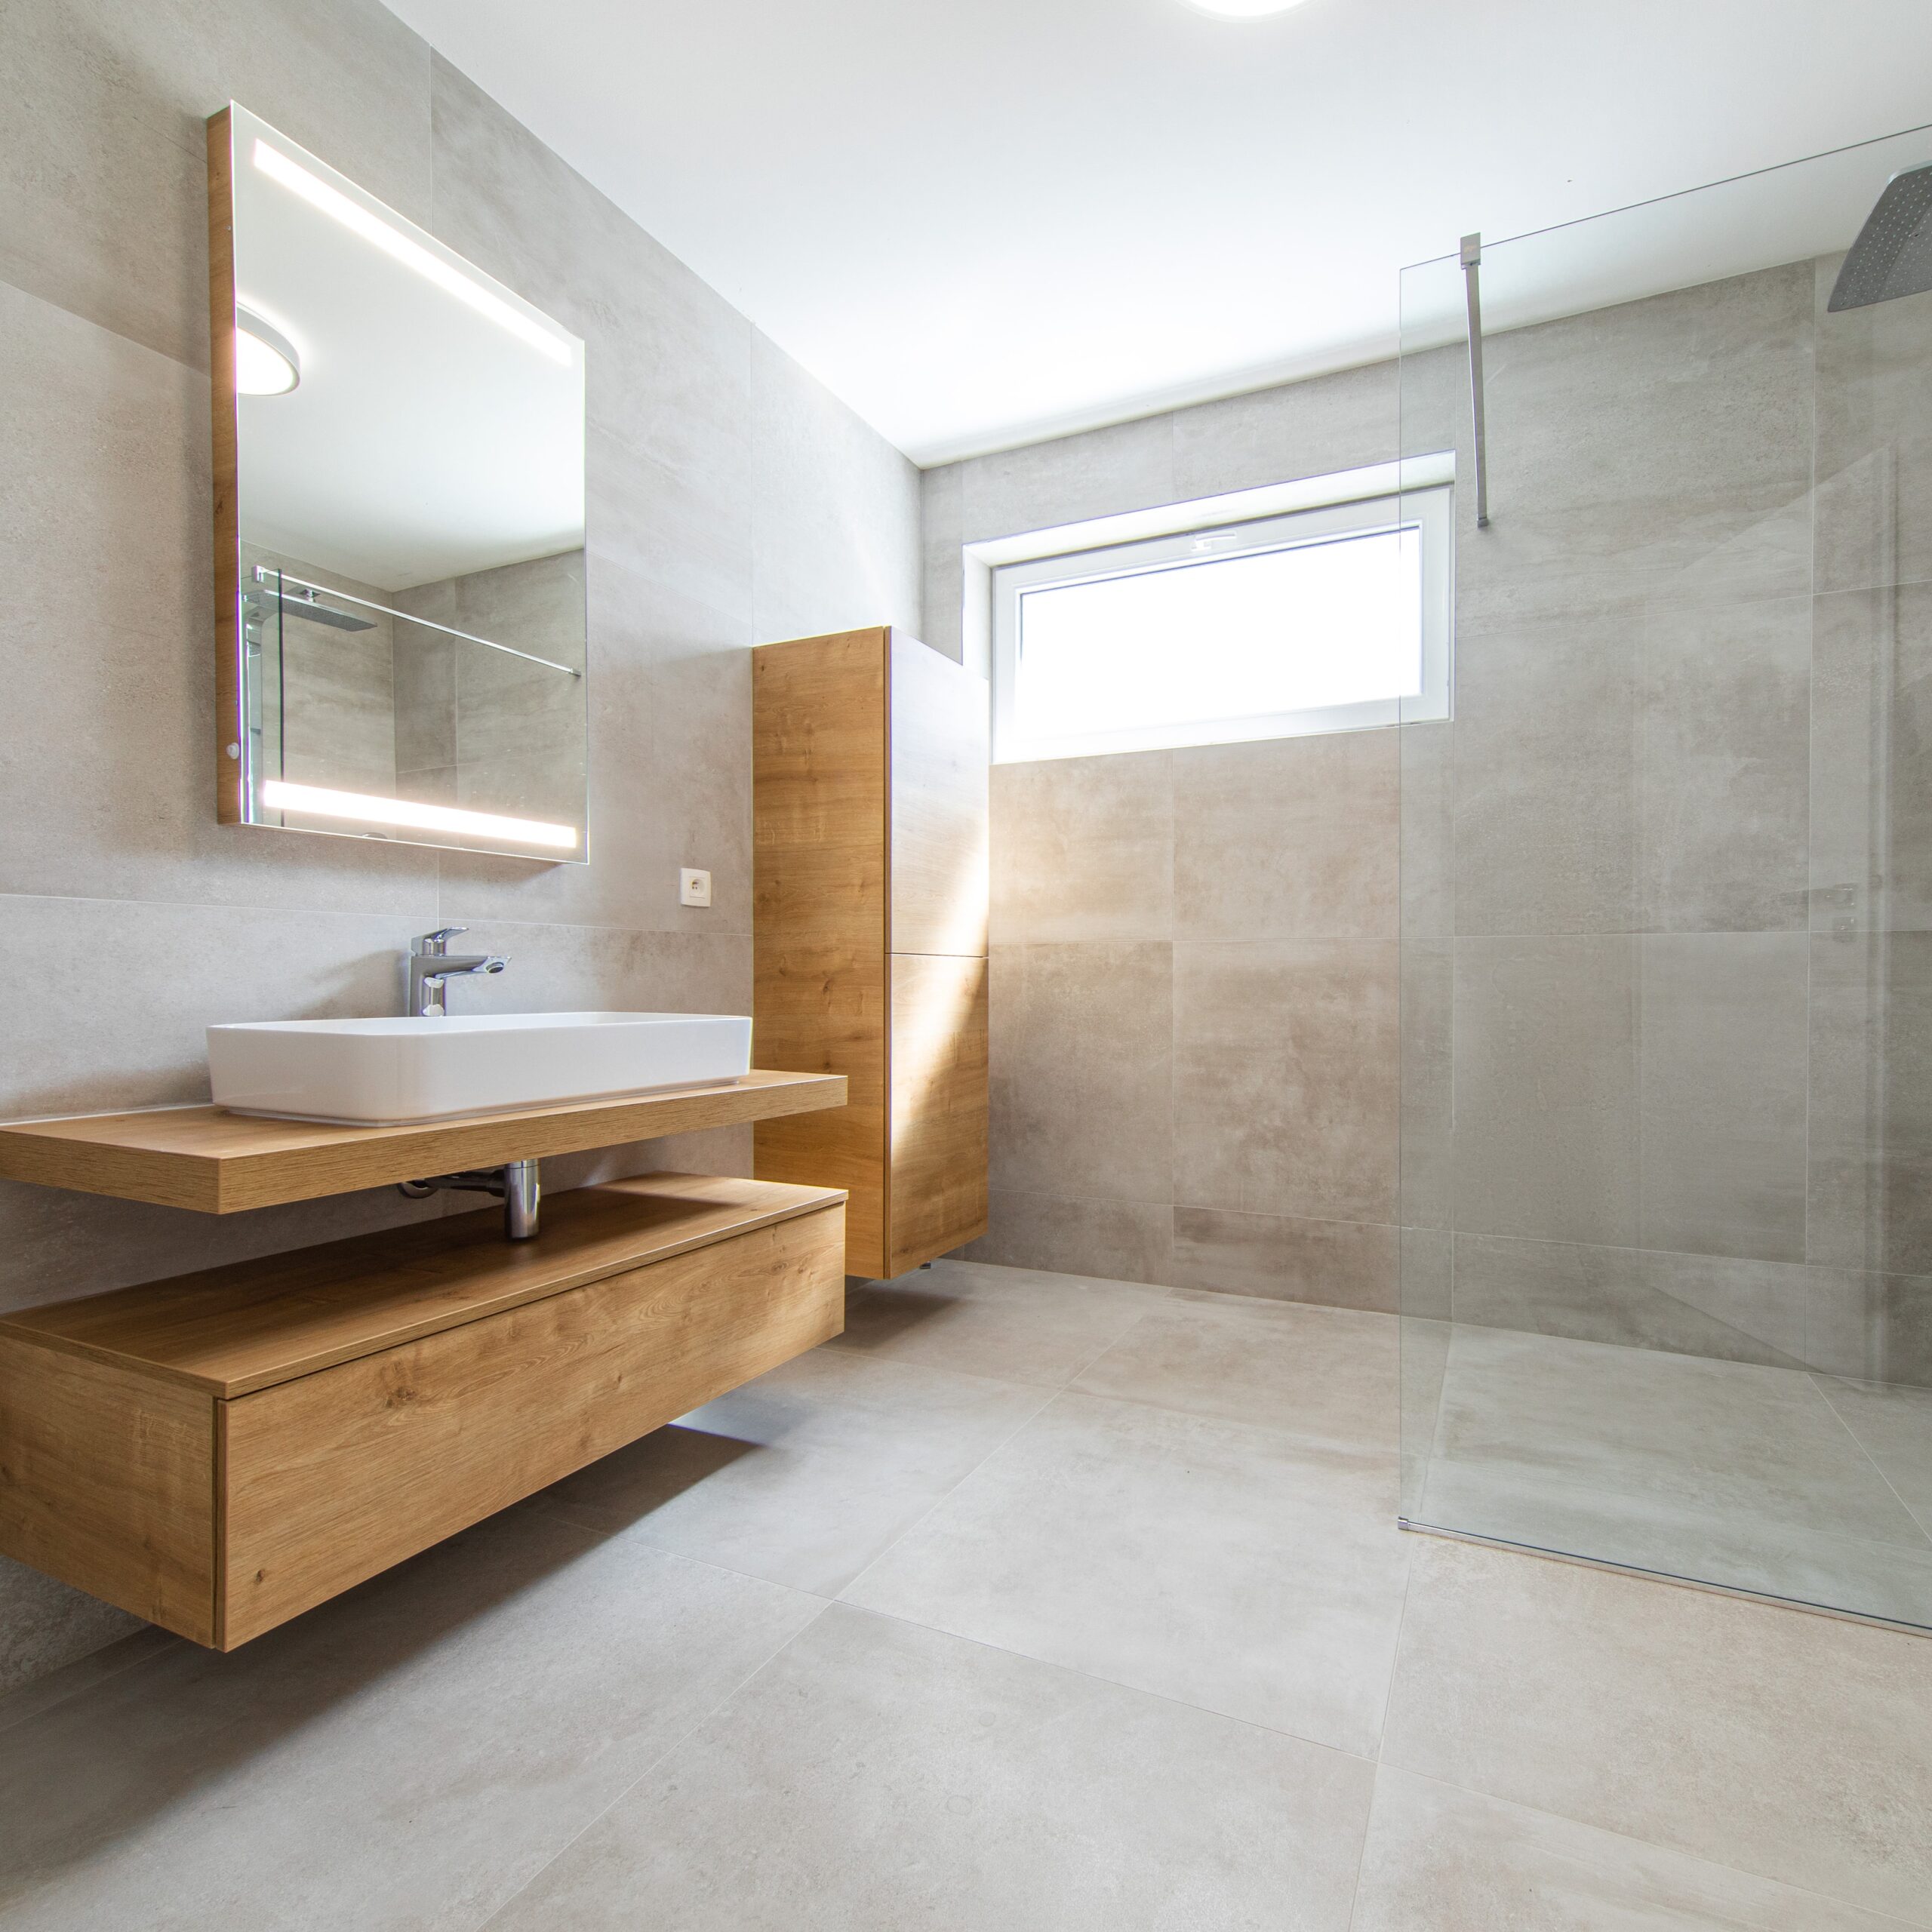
x=219, y=1163
x=336, y=1476
x=939, y=1106
x=817, y=1007
x=229, y=710
x=107, y=1482
x=820, y=892
x=869, y=829
x=229, y=1331
x=940, y=734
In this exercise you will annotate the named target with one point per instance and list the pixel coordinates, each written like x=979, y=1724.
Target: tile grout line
x=1048, y=1397
x=1112, y=1683
x=1818, y=1382
x=1655, y=1844
x=676, y=1743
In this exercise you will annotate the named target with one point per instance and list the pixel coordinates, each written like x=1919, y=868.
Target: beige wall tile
x=111, y=222
x=1342, y=1264
x=1343, y=421
x=1546, y=1088
x=1723, y=1073
x=1428, y=1120
x=46, y=1625
x=1874, y=441
x=1288, y=839
x=1731, y=1309
x=1120, y=1240
x=1546, y=804
x=943, y=577
x=1791, y=1747
x=1128, y=467
x=1083, y=849
x=1286, y=1077
x=1082, y=1081
x=1722, y=751
x=1658, y=449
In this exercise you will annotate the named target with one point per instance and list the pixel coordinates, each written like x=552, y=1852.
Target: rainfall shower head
x=304, y=602
x=1893, y=255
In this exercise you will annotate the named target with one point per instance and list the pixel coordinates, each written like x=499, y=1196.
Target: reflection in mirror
x=400, y=559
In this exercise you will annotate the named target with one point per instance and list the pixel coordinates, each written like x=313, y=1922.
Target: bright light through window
x=1328, y=620
x=1330, y=623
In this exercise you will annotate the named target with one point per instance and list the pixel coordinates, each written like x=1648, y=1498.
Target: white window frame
x=1429, y=510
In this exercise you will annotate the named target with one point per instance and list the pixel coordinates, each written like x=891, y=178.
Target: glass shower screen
x=1666, y=948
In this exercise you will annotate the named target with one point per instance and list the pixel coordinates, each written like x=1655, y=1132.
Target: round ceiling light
x=266, y=363
x=1242, y=10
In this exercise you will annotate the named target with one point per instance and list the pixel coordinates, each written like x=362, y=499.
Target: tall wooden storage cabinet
x=869, y=791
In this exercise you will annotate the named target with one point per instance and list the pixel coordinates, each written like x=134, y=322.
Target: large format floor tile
x=1126, y=1627
x=1726, y=1472
x=1239, y=1569
x=407, y=1756
x=1893, y=1426
x=1793, y=1747
x=1439, y=1859
x=804, y=1476
x=1015, y=1323
x=876, y=1777
x=1327, y=1374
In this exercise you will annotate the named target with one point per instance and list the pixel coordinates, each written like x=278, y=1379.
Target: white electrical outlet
x=693, y=887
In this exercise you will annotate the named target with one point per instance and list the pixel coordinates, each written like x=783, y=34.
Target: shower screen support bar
x=1472, y=289
x=266, y=574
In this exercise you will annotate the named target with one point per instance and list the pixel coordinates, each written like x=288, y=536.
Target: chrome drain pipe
x=517, y=1184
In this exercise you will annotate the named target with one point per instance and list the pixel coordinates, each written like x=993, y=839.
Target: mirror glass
x=405, y=655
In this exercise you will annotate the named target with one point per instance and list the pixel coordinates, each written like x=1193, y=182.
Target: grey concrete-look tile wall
x=1194, y=1003
x=1660, y=889
x=730, y=498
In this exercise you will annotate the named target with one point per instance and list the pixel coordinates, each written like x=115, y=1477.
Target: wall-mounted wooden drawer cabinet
x=220, y=1452
x=869, y=932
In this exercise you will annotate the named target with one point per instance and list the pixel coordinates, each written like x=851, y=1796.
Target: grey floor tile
x=1015, y=1325
x=407, y=1756
x=1795, y=1748
x=1723, y=1472
x=1238, y=1569
x=804, y=1476
x=1439, y=1859
x=1724, y=1439
x=1327, y=1374
x=876, y=1777
x=1893, y=1426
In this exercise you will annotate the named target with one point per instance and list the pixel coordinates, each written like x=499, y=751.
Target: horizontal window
x=1327, y=619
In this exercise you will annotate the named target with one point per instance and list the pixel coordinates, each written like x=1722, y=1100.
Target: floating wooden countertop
x=229, y=1331
x=219, y=1163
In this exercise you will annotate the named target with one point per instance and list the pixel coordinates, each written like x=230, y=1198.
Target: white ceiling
x=981, y=221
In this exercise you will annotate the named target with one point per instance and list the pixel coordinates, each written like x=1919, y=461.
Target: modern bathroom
x=967, y=969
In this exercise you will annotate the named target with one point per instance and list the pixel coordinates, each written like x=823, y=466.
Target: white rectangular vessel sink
x=390, y=1073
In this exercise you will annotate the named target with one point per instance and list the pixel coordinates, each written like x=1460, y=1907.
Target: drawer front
x=333, y=1478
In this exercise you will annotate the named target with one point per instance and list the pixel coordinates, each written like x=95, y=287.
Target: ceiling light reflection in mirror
x=410, y=460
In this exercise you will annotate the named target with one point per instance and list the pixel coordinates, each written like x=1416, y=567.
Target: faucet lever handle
x=433, y=945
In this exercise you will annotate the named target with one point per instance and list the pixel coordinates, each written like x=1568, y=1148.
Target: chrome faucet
x=431, y=963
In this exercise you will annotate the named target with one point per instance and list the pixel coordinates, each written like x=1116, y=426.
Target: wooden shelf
x=250, y=1324
x=219, y=1163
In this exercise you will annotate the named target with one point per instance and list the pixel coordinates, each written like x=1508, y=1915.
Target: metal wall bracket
x=1472, y=289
